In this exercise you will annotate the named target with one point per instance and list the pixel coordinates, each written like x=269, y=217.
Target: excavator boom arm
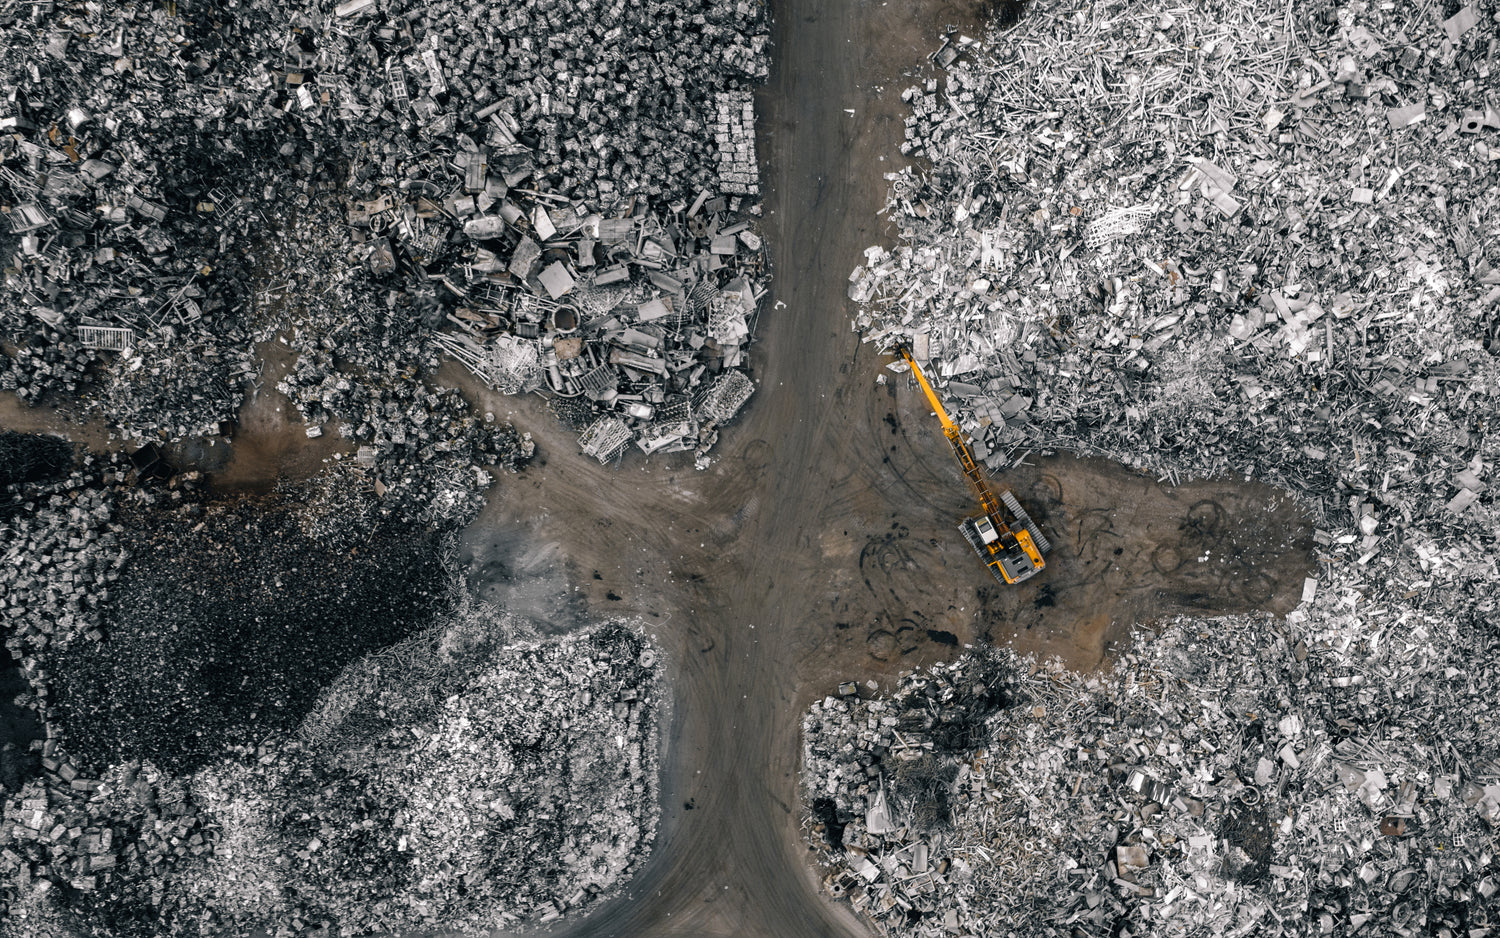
x=949, y=427
x=972, y=471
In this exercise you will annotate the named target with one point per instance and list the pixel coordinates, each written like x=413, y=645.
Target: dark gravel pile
x=29, y=457
x=227, y=621
x=160, y=630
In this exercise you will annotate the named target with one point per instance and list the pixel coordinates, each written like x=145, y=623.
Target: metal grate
x=599, y=380
x=106, y=338
x=675, y=410
x=490, y=297
x=605, y=438
x=725, y=398
x=701, y=297
x=1120, y=223
x=400, y=98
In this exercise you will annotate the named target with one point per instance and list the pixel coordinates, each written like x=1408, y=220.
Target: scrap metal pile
x=180, y=182
x=1334, y=774
x=530, y=792
x=62, y=556
x=642, y=319
x=441, y=785
x=421, y=448
x=224, y=752
x=1212, y=239
x=1204, y=240
x=108, y=235
x=569, y=258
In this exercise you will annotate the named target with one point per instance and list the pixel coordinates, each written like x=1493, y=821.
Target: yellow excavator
x=1004, y=536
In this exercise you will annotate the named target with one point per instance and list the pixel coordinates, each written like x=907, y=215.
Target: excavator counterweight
x=1004, y=536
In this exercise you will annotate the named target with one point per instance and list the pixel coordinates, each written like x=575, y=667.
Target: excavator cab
x=1012, y=551
x=1012, y=555
x=985, y=529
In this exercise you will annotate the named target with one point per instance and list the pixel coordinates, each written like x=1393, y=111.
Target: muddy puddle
x=267, y=443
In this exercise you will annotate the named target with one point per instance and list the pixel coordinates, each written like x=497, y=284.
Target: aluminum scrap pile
x=177, y=182
x=67, y=830
x=61, y=557
x=530, y=792
x=511, y=789
x=644, y=318
x=735, y=134
x=1212, y=238
x=1333, y=774
x=878, y=778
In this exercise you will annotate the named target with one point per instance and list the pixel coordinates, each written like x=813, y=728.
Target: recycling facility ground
x=820, y=546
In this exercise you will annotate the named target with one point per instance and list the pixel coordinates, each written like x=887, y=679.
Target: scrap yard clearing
x=512, y=469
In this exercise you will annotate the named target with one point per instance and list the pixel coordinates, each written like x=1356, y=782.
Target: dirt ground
x=821, y=545
x=48, y=418
x=270, y=440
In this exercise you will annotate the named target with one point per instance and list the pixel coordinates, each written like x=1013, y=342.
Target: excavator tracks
x=1040, y=539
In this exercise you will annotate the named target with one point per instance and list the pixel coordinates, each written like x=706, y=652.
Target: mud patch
x=526, y=577
x=270, y=441
x=1248, y=831
x=205, y=454
x=1131, y=550
x=1128, y=550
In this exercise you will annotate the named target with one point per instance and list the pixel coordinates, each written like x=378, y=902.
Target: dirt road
x=821, y=546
